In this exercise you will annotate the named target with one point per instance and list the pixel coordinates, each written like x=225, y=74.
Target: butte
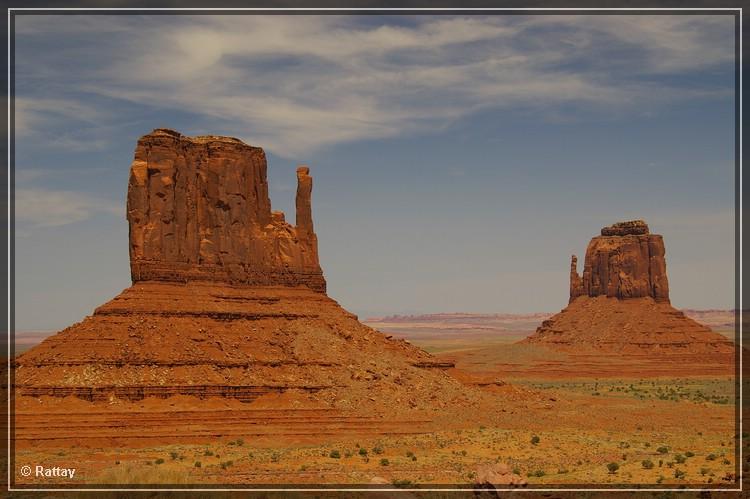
x=620, y=305
x=228, y=303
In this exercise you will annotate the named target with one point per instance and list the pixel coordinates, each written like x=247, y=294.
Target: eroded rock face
x=626, y=261
x=199, y=210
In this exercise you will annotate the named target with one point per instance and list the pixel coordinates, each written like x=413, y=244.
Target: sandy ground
x=664, y=425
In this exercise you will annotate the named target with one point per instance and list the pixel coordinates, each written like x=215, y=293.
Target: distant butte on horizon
x=621, y=302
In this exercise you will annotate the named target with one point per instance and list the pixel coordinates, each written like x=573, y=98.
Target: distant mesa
x=621, y=302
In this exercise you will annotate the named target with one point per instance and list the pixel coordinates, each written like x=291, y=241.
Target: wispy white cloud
x=40, y=207
x=295, y=83
x=33, y=113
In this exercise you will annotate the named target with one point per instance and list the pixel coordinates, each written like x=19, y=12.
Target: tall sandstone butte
x=621, y=302
x=228, y=300
x=199, y=210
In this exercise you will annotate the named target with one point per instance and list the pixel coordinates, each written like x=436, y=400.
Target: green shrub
x=679, y=458
x=679, y=474
x=197, y=464
x=539, y=473
x=377, y=449
x=535, y=440
x=335, y=454
x=240, y=442
x=662, y=450
x=159, y=461
x=208, y=453
x=647, y=464
x=613, y=467
x=711, y=457
x=704, y=471
x=362, y=451
x=173, y=455
x=384, y=462
x=689, y=454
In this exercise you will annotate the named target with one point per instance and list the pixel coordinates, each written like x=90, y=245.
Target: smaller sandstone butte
x=621, y=302
x=626, y=261
x=199, y=210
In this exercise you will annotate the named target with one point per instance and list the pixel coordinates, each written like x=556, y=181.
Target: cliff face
x=625, y=261
x=199, y=210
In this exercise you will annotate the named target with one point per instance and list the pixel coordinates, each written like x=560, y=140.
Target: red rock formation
x=576, y=282
x=199, y=210
x=626, y=261
x=219, y=306
x=621, y=303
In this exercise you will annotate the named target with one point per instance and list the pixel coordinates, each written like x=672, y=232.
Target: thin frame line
x=375, y=9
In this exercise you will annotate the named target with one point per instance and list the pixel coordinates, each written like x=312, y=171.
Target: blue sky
x=458, y=160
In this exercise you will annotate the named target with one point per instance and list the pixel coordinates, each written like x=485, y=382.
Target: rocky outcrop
x=493, y=476
x=625, y=261
x=621, y=302
x=199, y=210
x=576, y=282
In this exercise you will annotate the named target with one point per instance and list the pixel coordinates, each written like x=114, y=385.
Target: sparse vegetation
x=535, y=440
x=647, y=464
x=335, y=454
x=384, y=462
x=613, y=467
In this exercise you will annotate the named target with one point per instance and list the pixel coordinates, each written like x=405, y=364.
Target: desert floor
x=563, y=419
